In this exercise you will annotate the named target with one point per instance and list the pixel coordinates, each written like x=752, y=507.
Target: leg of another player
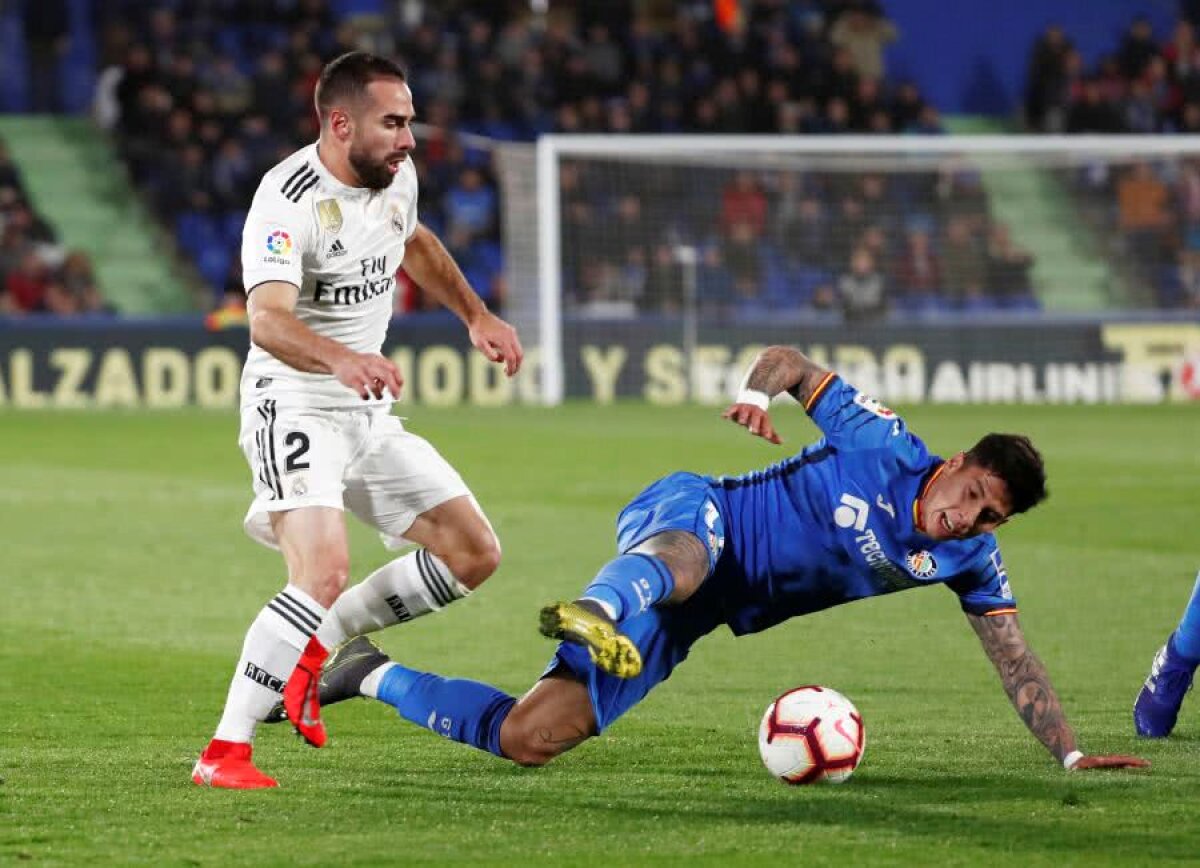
x=553, y=717
x=313, y=540
x=459, y=551
x=1157, y=706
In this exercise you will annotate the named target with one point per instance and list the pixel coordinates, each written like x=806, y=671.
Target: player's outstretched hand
x=1117, y=761
x=754, y=420
x=369, y=374
x=497, y=340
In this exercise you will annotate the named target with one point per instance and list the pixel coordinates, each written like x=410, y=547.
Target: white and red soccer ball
x=811, y=734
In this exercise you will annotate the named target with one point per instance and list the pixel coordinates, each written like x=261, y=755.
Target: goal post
x=1019, y=259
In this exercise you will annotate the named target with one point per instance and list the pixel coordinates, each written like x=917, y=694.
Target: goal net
x=1006, y=268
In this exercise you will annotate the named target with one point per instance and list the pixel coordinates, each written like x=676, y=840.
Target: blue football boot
x=1157, y=705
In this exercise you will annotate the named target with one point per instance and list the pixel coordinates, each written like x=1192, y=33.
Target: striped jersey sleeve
x=851, y=420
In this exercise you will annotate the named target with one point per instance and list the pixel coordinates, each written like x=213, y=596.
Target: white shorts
x=361, y=460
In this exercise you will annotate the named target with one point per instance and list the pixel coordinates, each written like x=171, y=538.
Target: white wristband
x=1070, y=759
x=761, y=400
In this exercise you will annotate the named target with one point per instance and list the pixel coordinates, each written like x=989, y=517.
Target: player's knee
x=327, y=583
x=473, y=564
x=528, y=748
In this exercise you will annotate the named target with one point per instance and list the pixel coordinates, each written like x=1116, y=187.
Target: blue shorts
x=663, y=635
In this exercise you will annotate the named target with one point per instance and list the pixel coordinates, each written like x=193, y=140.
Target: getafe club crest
x=330, y=215
x=921, y=564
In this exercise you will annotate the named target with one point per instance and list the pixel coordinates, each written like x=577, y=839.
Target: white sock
x=410, y=586
x=273, y=644
x=370, y=684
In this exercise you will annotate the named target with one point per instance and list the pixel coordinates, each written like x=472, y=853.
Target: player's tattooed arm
x=1025, y=681
x=784, y=369
x=777, y=369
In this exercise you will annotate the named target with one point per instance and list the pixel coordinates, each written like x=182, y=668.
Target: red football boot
x=301, y=700
x=227, y=764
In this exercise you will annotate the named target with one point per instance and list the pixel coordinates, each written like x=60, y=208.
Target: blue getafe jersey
x=837, y=522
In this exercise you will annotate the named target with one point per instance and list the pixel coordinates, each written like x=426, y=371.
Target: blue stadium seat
x=213, y=265
x=232, y=223
x=197, y=232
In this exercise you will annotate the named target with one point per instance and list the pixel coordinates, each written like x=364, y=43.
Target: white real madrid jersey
x=341, y=246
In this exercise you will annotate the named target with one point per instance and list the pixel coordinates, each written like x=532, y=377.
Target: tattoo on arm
x=779, y=369
x=1025, y=681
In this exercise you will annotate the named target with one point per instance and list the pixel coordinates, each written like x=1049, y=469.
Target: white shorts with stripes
x=357, y=459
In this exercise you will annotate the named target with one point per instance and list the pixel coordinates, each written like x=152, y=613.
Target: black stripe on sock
x=433, y=580
x=287, y=616
x=299, y=604
x=298, y=610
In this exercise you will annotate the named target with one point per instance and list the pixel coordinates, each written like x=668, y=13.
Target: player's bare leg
x=665, y=569
x=313, y=540
x=553, y=717
x=458, y=552
x=314, y=545
x=459, y=534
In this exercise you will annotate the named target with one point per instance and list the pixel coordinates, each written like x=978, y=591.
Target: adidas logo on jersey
x=336, y=249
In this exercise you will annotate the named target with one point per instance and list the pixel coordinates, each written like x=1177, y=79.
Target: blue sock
x=1187, y=636
x=630, y=584
x=464, y=711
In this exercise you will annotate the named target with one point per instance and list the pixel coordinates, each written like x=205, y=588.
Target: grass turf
x=129, y=584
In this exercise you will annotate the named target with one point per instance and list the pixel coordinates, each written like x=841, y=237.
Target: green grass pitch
x=128, y=585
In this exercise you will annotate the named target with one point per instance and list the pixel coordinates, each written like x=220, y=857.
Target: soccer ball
x=811, y=734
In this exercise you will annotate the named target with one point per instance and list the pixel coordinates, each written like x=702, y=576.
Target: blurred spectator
x=1182, y=287
x=861, y=289
x=864, y=34
x=1007, y=266
x=744, y=203
x=740, y=252
x=471, y=206
x=964, y=267
x=1137, y=48
x=1142, y=200
x=25, y=286
x=918, y=271
x=46, y=39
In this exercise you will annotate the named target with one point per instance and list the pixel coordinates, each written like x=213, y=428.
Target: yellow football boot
x=611, y=650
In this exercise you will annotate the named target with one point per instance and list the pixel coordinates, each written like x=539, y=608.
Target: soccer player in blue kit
x=1156, y=708
x=865, y=511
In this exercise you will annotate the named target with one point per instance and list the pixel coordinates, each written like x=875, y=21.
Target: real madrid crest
x=330, y=215
x=398, y=222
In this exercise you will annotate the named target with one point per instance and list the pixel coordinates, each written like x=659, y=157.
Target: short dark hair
x=1014, y=459
x=345, y=79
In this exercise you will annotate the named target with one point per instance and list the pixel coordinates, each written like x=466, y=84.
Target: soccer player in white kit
x=327, y=230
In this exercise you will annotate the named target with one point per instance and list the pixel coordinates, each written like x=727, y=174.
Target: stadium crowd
x=37, y=274
x=1150, y=211
x=203, y=97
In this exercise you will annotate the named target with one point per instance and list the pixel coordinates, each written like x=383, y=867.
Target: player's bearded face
x=965, y=500
x=373, y=171
x=382, y=138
